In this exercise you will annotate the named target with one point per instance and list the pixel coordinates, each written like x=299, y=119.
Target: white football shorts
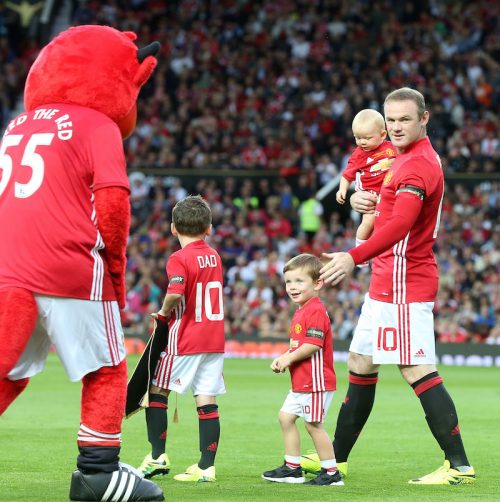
x=311, y=406
x=87, y=335
x=395, y=333
x=202, y=373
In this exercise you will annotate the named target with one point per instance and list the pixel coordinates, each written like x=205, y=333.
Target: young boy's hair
x=312, y=264
x=192, y=216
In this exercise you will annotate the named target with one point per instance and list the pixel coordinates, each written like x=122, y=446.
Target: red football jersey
x=407, y=272
x=369, y=168
x=311, y=324
x=52, y=159
x=197, y=323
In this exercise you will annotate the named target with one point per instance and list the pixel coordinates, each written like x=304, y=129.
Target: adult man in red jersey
x=396, y=324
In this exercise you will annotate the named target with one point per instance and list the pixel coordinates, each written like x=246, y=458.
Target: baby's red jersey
x=407, y=272
x=53, y=159
x=369, y=168
x=197, y=323
x=311, y=324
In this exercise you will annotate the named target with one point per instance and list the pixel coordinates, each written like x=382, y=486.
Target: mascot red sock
x=15, y=331
x=99, y=436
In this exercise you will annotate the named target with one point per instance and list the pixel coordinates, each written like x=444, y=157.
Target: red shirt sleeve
x=406, y=210
x=349, y=173
x=316, y=329
x=177, y=275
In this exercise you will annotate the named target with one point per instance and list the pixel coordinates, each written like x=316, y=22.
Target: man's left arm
x=406, y=209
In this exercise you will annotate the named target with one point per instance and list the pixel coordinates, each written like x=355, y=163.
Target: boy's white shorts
x=202, y=373
x=311, y=406
x=87, y=335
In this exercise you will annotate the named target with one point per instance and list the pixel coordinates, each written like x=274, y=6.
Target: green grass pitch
x=38, y=439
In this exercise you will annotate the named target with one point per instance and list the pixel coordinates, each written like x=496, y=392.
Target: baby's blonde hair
x=366, y=116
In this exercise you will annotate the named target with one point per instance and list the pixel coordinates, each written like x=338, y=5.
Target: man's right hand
x=364, y=202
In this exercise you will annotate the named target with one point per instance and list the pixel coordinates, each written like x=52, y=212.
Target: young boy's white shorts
x=311, y=406
x=202, y=373
x=395, y=333
x=87, y=335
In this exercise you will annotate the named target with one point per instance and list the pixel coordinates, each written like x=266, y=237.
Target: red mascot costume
x=65, y=216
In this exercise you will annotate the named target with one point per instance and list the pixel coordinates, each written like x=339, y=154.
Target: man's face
x=403, y=123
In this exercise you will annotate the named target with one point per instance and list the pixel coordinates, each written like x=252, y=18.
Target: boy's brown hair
x=312, y=264
x=192, y=216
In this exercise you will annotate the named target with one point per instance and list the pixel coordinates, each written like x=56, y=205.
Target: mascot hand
x=113, y=220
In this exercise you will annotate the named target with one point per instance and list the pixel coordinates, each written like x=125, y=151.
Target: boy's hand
x=283, y=362
x=161, y=316
x=340, y=196
x=274, y=366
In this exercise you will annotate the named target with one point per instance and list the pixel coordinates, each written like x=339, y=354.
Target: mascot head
x=93, y=66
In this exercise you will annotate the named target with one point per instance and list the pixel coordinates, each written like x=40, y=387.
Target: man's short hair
x=408, y=94
x=192, y=216
x=312, y=265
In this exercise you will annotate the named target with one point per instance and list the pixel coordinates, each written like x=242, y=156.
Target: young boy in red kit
x=194, y=355
x=310, y=362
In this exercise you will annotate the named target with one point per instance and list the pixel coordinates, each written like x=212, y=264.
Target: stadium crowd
x=273, y=86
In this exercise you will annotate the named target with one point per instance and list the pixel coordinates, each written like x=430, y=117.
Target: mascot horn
x=65, y=217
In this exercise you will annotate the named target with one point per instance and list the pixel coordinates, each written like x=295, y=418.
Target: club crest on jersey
x=388, y=178
x=381, y=165
x=297, y=329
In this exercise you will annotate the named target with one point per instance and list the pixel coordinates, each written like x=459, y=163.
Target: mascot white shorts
x=202, y=373
x=87, y=335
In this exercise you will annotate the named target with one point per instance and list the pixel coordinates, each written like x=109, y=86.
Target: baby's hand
x=340, y=197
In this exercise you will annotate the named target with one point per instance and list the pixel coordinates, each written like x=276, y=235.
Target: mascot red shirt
x=65, y=217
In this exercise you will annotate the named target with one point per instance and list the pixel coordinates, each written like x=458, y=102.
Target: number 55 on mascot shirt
x=49, y=139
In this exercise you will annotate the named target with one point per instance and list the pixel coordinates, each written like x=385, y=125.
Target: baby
x=368, y=163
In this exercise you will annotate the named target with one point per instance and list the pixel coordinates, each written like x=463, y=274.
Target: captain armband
x=315, y=333
x=419, y=192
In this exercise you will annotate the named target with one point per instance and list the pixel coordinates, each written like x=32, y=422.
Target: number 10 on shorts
x=387, y=339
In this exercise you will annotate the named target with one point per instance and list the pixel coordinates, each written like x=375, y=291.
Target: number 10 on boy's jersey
x=204, y=301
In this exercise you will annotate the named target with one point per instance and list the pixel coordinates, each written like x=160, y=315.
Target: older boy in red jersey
x=396, y=325
x=193, y=359
x=310, y=362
